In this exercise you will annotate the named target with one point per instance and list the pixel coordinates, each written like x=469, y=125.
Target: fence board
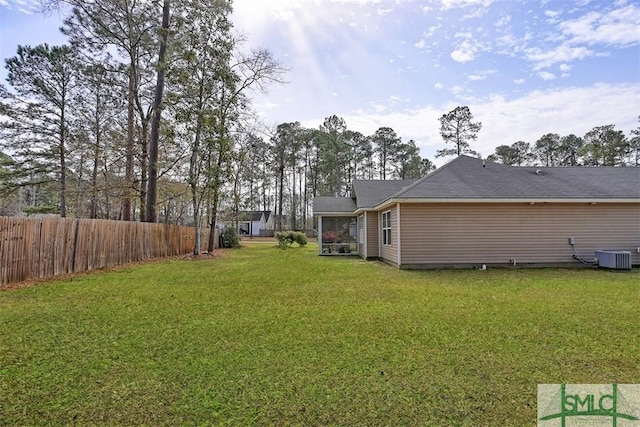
x=35, y=248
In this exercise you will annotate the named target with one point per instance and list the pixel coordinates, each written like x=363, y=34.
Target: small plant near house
x=287, y=238
x=230, y=238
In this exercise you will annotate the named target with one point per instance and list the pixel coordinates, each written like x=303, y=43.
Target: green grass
x=267, y=336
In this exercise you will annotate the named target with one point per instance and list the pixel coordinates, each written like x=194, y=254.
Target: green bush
x=230, y=238
x=287, y=238
x=282, y=239
x=300, y=238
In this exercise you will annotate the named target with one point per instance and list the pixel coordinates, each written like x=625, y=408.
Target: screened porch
x=337, y=235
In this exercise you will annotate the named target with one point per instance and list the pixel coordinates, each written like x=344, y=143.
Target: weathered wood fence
x=35, y=248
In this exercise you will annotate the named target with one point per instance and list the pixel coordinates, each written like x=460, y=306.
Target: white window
x=386, y=228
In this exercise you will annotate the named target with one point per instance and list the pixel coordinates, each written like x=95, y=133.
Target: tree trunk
x=63, y=166
x=128, y=174
x=214, y=217
x=280, y=198
x=152, y=188
x=294, y=207
x=63, y=154
x=93, y=208
x=144, y=157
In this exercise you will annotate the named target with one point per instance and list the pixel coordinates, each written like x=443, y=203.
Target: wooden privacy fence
x=35, y=248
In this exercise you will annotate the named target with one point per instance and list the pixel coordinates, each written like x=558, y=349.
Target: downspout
x=399, y=239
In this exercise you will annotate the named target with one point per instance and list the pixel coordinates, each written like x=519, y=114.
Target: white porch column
x=320, y=235
x=399, y=236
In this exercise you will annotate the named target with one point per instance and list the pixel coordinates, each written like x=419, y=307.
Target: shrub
x=230, y=238
x=282, y=239
x=287, y=238
x=300, y=238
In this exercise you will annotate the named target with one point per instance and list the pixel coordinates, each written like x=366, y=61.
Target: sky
x=524, y=68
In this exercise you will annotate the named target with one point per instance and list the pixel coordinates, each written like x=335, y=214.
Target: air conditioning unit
x=617, y=260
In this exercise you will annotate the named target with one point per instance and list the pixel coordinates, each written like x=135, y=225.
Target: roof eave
x=389, y=202
x=351, y=213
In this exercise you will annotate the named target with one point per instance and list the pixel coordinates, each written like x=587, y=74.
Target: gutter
x=390, y=202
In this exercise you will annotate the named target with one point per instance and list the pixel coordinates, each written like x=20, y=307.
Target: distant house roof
x=253, y=216
x=333, y=205
x=472, y=178
x=256, y=215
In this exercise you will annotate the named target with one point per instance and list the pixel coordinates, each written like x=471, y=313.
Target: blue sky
x=524, y=68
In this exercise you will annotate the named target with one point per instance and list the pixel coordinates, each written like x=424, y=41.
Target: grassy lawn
x=265, y=336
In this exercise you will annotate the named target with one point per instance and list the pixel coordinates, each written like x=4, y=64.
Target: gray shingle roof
x=369, y=193
x=337, y=205
x=474, y=179
x=253, y=216
x=467, y=178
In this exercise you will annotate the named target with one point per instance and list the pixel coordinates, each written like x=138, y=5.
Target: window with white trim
x=386, y=228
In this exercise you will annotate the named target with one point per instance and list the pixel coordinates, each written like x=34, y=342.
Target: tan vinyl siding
x=389, y=253
x=496, y=233
x=372, y=239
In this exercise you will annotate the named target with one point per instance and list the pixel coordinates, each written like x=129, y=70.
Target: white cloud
x=540, y=112
x=565, y=68
x=545, y=75
x=503, y=21
x=438, y=86
x=421, y=44
x=466, y=49
x=553, y=17
x=519, y=81
x=379, y=108
x=27, y=7
x=481, y=75
x=452, y=4
x=475, y=13
x=510, y=45
x=618, y=27
x=505, y=121
x=578, y=37
x=395, y=100
x=465, y=52
x=431, y=30
x=265, y=106
x=544, y=58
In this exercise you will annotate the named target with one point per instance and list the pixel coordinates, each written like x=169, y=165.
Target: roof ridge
x=424, y=178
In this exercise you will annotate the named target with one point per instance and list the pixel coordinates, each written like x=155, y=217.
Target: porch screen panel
x=339, y=234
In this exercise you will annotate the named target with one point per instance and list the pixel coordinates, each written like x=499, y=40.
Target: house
x=252, y=223
x=471, y=212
